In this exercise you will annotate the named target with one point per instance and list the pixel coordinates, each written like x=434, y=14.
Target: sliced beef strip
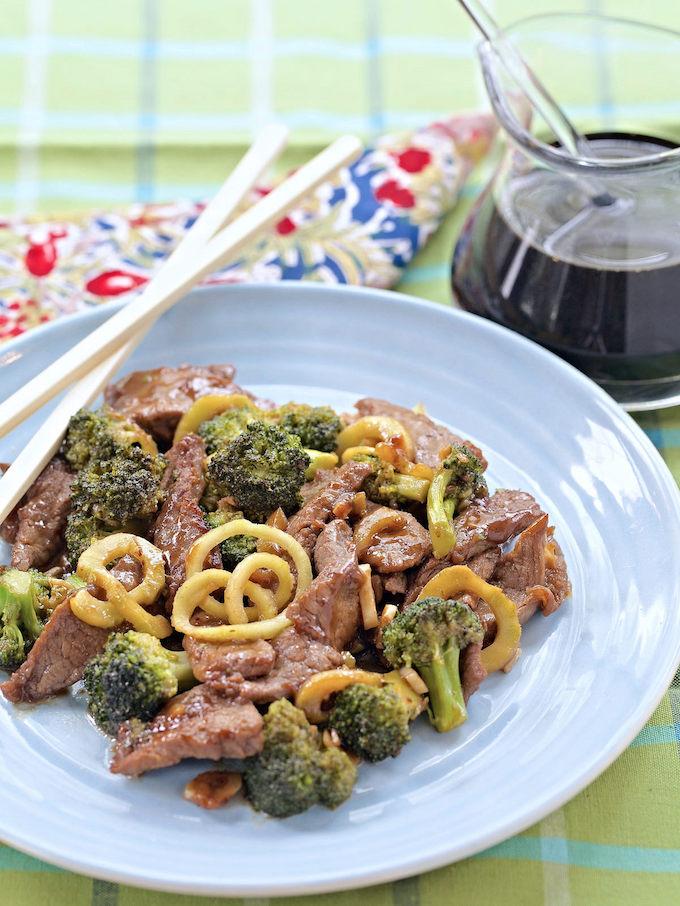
x=472, y=671
x=329, y=610
x=319, y=483
x=41, y=519
x=57, y=659
x=485, y=524
x=556, y=576
x=210, y=659
x=521, y=572
x=128, y=571
x=395, y=584
x=157, y=399
x=428, y=437
x=297, y=658
x=306, y=525
x=398, y=549
x=196, y=724
x=181, y=521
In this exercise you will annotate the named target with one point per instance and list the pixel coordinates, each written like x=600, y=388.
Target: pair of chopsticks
x=208, y=245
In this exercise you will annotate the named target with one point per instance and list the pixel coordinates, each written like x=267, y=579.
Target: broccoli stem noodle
x=196, y=592
x=120, y=604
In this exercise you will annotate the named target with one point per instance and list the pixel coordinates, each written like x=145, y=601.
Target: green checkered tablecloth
x=151, y=100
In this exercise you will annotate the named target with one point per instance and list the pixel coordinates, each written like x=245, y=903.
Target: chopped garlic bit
x=414, y=681
x=369, y=611
x=389, y=612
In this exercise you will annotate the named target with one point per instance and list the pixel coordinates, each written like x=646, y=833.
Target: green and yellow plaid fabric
x=102, y=104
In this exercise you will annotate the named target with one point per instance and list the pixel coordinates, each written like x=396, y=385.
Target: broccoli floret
x=371, y=721
x=262, y=469
x=93, y=436
x=234, y=549
x=218, y=432
x=120, y=489
x=458, y=479
x=387, y=486
x=118, y=494
x=81, y=531
x=429, y=636
x=316, y=426
x=133, y=678
x=26, y=600
x=294, y=771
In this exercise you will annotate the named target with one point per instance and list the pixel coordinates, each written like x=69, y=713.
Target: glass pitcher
x=583, y=254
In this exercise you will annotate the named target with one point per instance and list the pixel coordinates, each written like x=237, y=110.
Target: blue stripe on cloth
x=664, y=437
x=147, y=104
x=87, y=46
x=375, y=98
x=659, y=735
x=422, y=272
x=586, y=855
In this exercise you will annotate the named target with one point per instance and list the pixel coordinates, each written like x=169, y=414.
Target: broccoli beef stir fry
x=282, y=590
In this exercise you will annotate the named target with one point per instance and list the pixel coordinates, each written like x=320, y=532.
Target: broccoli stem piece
x=459, y=478
x=440, y=514
x=409, y=488
x=442, y=678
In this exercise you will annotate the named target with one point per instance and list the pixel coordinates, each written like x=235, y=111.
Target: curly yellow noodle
x=121, y=605
x=457, y=580
x=244, y=622
x=200, y=549
x=207, y=407
x=199, y=587
x=239, y=585
x=373, y=428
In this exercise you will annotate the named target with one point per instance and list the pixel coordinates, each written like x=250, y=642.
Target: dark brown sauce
x=612, y=324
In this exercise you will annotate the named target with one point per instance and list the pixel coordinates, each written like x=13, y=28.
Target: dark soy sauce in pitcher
x=596, y=280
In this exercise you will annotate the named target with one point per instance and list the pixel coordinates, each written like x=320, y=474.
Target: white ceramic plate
x=589, y=676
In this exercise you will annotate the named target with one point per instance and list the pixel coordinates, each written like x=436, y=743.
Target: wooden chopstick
x=153, y=301
x=159, y=297
x=46, y=441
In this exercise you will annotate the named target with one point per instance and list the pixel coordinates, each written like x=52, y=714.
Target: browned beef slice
x=197, y=724
x=157, y=399
x=41, y=519
x=429, y=437
x=556, y=577
x=128, y=571
x=297, y=658
x=306, y=525
x=485, y=524
x=521, y=572
x=57, y=659
x=210, y=659
x=319, y=483
x=396, y=584
x=472, y=671
x=181, y=521
x=328, y=610
x=395, y=550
